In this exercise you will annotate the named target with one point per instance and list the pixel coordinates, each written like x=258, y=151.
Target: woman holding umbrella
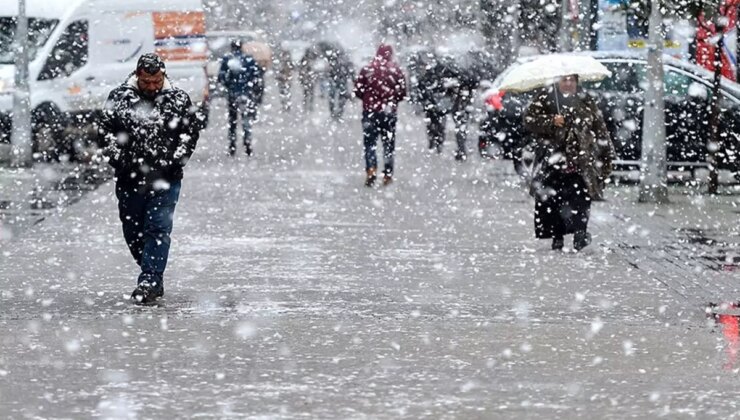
x=577, y=156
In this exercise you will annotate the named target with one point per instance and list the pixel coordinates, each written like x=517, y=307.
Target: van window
x=69, y=54
x=38, y=32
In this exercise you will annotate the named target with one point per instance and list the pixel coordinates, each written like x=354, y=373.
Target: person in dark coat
x=447, y=89
x=576, y=152
x=381, y=85
x=150, y=130
x=283, y=75
x=340, y=73
x=308, y=77
x=243, y=79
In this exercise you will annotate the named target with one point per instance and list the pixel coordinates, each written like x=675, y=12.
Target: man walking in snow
x=243, y=79
x=340, y=73
x=381, y=85
x=446, y=88
x=150, y=129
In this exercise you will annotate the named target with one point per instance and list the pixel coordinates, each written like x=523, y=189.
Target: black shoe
x=146, y=293
x=248, y=149
x=558, y=243
x=581, y=240
x=370, y=180
x=461, y=156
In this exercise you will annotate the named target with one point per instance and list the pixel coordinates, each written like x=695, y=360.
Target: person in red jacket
x=381, y=85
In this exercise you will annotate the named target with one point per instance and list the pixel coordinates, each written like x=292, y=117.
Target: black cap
x=150, y=63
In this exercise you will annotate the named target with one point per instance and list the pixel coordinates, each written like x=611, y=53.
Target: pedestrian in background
x=340, y=73
x=243, y=79
x=445, y=88
x=150, y=131
x=381, y=85
x=307, y=77
x=284, y=67
x=576, y=154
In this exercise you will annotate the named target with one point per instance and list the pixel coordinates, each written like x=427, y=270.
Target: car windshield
x=38, y=33
x=627, y=76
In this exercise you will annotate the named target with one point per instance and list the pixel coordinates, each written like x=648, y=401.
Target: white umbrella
x=547, y=69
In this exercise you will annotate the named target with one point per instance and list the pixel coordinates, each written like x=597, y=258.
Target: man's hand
x=558, y=120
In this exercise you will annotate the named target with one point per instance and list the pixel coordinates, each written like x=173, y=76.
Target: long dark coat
x=576, y=159
x=583, y=144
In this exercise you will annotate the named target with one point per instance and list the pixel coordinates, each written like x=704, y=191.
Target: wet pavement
x=29, y=195
x=294, y=292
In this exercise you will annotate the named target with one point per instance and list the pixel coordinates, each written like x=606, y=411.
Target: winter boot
x=149, y=289
x=370, y=180
x=145, y=293
x=461, y=156
x=248, y=149
x=387, y=180
x=581, y=240
x=557, y=243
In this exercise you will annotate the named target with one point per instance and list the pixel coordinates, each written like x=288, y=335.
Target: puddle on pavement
x=727, y=318
x=717, y=255
x=696, y=236
x=35, y=206
x=727, y=261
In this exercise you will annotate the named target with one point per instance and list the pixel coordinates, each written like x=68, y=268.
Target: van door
x=61, y=79
x=117, y=40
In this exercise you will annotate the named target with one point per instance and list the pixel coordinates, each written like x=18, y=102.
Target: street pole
x=566, y=34
x=584, y=25
x=654, y=188
x=715, y=144
x=20, y=139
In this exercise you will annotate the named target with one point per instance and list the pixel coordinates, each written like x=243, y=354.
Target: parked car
x=83, y=49
x=688, y=91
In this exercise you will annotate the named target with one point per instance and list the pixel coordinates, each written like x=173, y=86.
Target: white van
x=82, y=49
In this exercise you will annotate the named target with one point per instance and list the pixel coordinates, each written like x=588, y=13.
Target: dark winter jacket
x=149, y=140
x=381, y=85
x=284, y=66
x=306, y=75
x=340, y=71
x=446, y=88
x=583, y=145
x=242, y=76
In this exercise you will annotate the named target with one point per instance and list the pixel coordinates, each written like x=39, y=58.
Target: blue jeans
x=383, y=125
x=147, y=217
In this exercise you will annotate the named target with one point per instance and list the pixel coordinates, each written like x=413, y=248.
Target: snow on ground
x=294, y=291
